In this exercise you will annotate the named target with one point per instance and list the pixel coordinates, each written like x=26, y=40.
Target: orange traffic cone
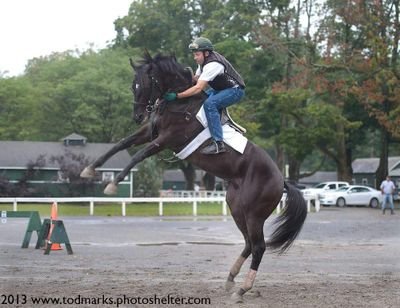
x=53, y=216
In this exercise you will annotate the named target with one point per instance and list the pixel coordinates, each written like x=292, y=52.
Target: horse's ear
x=173, y=56
x=132, y=64
x=147, y=56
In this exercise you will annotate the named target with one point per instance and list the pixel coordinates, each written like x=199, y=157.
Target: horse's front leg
x=152, y=148
x=139, y=137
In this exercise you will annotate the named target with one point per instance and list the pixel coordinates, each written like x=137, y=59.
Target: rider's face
x=199, y=57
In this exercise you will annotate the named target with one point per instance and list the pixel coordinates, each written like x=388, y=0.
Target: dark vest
x=229, y=78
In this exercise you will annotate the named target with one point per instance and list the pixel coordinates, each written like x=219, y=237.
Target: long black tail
x=290, y=222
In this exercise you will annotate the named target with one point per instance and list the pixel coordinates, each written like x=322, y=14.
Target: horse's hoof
x=237, y=298
x=254, y=293
x=111, y=189
x=229, y=285
x=88, y=172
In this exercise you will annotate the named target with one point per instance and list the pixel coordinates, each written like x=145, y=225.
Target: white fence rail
x=159, y=200
x=192, y=193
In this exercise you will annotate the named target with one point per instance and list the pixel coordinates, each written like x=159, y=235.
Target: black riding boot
x=215, y=147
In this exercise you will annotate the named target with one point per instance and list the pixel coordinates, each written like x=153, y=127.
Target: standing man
x=227, y=88
x=387, y=188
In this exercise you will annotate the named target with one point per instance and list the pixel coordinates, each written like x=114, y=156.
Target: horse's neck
x=179, y=119
x=190, y=105
x=181, y=82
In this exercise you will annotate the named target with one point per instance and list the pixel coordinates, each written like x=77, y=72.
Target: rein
x=154, y=101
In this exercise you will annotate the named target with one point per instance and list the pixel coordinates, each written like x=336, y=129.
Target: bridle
x=154, y=102
x=156, y=93
x=151, y=103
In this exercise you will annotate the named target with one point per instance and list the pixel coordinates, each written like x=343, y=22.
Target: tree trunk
x=280, y=158
x=383, y=168
x=209, y=181
x=396, y=36
x=294, y=169
x=343, y=171
x=297, y=20
x=189, y=173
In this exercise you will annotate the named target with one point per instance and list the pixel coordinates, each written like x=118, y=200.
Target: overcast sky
x=33, y=28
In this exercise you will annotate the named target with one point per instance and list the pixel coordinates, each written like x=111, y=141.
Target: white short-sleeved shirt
x=210, y=71
x=387, y=187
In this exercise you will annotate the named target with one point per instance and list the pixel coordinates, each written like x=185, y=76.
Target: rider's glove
x=170, y=96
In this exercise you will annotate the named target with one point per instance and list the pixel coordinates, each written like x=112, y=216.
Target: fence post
x=15, y=207
x=308, y=205
x=123, y=208
x=194, y=208
x=317, y=205
x=91, y=208
x=160, y=208
x=224, y=209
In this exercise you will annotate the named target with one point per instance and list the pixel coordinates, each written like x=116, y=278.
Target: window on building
x=108, y=176
x=62, y=177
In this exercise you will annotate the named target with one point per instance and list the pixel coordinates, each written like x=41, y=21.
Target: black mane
x=166, y=67
x=167, y=64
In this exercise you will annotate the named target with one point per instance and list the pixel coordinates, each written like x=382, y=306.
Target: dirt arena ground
x=346, y=257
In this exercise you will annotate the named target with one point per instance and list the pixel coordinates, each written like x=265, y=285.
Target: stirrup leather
x=226, y=118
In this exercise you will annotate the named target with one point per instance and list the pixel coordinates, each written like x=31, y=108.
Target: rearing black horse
x=255, y=183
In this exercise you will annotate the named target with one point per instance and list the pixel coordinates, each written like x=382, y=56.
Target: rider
x=227, y=88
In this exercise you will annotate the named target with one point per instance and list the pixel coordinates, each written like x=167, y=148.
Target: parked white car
x=352, y=195
x=323, y=187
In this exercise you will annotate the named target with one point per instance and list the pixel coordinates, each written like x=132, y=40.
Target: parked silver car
x=323, y=187
x=352, y=195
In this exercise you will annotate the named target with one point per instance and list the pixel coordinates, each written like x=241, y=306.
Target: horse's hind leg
x=240, y=221
x=256, y=237
x=235, y=269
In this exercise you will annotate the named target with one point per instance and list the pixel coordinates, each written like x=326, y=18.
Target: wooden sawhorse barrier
x=34, y=224
x=58, y=234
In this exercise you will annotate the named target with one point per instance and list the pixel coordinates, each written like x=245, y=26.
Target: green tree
x=88, y=93
x=279, y=36
x=70, y=166
x=157, y=26
x=17, y=103
x=377, y=87
x=360, y=61
x=148, y=179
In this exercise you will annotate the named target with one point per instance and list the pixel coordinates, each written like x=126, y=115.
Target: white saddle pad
x=231, y=137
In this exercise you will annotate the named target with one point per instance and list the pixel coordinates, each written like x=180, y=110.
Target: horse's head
x=146, y=88
x=153, y=78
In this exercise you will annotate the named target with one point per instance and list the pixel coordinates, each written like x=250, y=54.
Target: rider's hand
x=170, y=96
